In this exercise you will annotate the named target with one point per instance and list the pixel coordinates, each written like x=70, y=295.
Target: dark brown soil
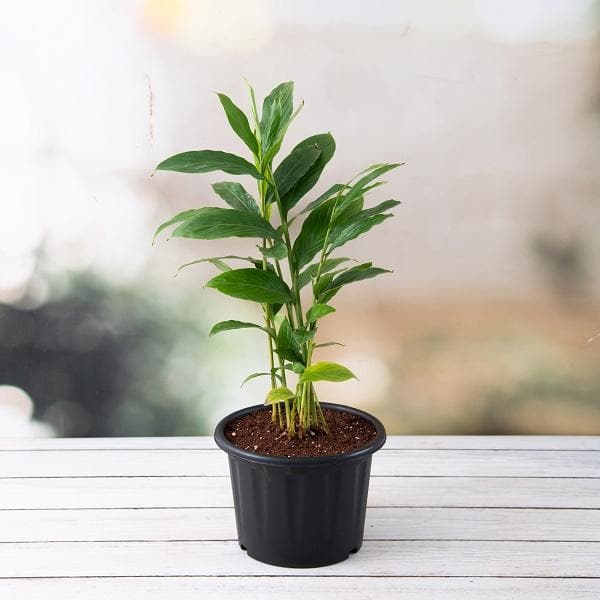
x=257, y=433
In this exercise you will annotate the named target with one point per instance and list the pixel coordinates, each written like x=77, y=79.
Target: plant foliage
x=286, y=263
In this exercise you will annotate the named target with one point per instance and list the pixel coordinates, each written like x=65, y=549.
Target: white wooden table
x=449, y=517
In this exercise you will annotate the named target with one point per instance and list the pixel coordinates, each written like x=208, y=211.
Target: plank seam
x=394, y=506
x=410, y=448
x=552, y=477
x=367, y=539
x=296, y=575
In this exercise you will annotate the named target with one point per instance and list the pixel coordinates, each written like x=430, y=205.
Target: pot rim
x=375, y=444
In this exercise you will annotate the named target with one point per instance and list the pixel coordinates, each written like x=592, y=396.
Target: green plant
x=287, y=264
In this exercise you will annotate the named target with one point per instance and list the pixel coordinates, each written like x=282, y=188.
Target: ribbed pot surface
x=300, y=512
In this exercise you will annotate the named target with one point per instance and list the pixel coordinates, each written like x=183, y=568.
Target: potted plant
x=299, y=467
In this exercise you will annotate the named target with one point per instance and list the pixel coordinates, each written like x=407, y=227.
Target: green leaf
x=211, y=223
x=275, y=308
x=350, y=224
x=280, y=394
x=326, y=344
x=373, y=172
x=239, y=123
x=303, y=336
x=205, y=161
x=348, y=230
x=178, y=218
x=360, y=187
x=217, y=261
x=380, y=208
x=276, y=112
x=326, y=144
x=311, y=238
x=252, y=284
x=288, y=346
x=323, y=283
x=326, y=371
x=236, y=196
x=252, y=100
x=255, y=375
x=298, y=368
x=278, y=251
x=358, y=273
x=277, y=140
x=258, y=264
x=317, y=311
x=334, y=189
x=232, y=324
x=292, y=169
x=311, y=271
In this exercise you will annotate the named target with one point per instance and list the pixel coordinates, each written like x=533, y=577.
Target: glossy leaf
x=252, y=284
x=259, y=264
x=318, y=311
x=275, y=308
x=326, y=371
x=358, y=273
x=261, y=374
x=205, y=161
x=380, y=208
x=217, y=261
x=220, y=264
x=232, y=324
x=276, y=112
x=280, y=394
x=293, y=168
x=239, y=123
x=350, y=226
x=275, y=144
x=349, y=211
x=211, y=223
x=327, y=344
x=326, y=144
x=311, y=271
x=303, y=336
x=236, y=196
x=288, y=346
x=334, y=189
x=361, y=186
x=322, y=284
x=311, y=238
x=178, y=218
x=277, y=251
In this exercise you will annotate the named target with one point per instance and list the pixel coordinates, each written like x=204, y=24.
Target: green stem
x=288, y=309
x=286, y=234
x=276, y=413
x=314, y=406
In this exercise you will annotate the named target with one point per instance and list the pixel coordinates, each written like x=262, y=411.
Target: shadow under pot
x=300, y=512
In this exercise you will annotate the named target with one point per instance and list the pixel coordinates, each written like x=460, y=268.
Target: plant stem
x=286, y=234
x=275, y=413
x=287, y=306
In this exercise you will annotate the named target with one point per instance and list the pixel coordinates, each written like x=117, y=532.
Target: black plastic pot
x=300, y=512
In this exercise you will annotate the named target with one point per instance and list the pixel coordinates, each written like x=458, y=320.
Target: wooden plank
x=182, y=492
x=381, y=559
x=452, y=463
x=203, y=524
x=394, y=442
x=292, y=588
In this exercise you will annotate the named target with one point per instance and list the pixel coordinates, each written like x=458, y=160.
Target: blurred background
x=490, y=323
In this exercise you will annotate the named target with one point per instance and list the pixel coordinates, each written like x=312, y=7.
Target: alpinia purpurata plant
x=287, y=264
